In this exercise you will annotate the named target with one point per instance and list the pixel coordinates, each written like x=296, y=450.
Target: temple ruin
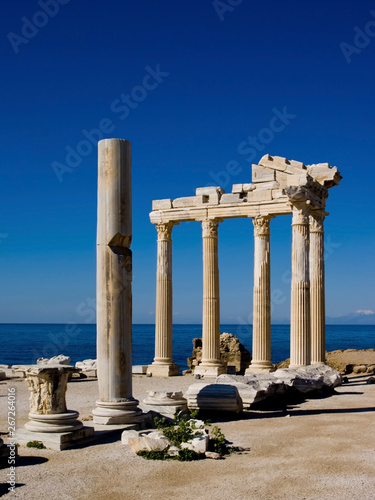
x=279, y=187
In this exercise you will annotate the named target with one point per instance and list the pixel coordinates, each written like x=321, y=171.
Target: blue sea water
x=25, y=343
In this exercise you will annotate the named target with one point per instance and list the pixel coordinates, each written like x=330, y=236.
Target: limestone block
x=261, y=195
x=248, y=187
x=199, y=444
x=297, y=164
x=145, y=443
x=55, y=360
x=88, y=368
x=213, y=455
x=231, y=198
x=325, y=174
x=214, y=198
x=2, y=375
x=165, y=204
x=262, y=174
x=237, y=188
x=173, y=451
x=4, y=367
x=278, y=193
x=299, y=179
x=214, y=397
x=187, y=201
x=331, y=377
x=209, y=190
x=267, y=185
x=300, y=380
x=126, y=435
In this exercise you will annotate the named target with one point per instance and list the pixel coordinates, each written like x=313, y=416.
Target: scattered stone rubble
x=232, y=353
x=61, y=359
x=88, y=368
x=257, y=387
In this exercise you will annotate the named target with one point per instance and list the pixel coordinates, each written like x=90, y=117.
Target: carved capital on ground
x=262, y=225
x=164, y=230
x=210, y=228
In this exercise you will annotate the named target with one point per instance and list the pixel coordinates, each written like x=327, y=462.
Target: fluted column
x=211, y=365
x=114, y=285
x=261, y=353
x=317, y=294
x=163, y=365
x=300, y=294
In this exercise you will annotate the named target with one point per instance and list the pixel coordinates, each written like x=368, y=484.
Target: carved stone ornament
x=300, y=216
x=261, y=225
x=164, y=230
x=210, y=228
x=317, y=223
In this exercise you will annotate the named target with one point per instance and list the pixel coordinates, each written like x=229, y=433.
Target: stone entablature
x=279, y=187
x=276, y=183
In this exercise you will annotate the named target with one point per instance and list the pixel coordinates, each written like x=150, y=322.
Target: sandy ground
x=312, y=450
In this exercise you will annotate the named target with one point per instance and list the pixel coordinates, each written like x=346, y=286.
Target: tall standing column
x=211, y=365
x=163, y=365
x=261, y=355
x=317, y=295
x=114, y=293
x=300, y=296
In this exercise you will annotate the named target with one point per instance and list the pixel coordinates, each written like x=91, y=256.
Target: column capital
x=317, y=223
x=164, y=230
x=210, y=228
x=301, y=213
x=262, y=225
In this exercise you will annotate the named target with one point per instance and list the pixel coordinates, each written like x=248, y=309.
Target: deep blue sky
x=227, y=72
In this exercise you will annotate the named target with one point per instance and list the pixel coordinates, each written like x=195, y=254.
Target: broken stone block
x=259, y=195
x=262, y=174
x=213, y=455
x=187, y=201
x=145, y=443
x=214, y=397
x=162, y=204
x=55, y=360
x=198, y=444
x=167, y=403
x=237, y=189
x=231, y=198
x=126, y=435
x=209, y=190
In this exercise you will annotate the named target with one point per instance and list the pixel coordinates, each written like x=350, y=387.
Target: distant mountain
x=355, y=318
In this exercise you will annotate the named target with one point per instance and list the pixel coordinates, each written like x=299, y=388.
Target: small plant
x=217, y=442
x=36, y=444
x=186, y=455
x=153, y=455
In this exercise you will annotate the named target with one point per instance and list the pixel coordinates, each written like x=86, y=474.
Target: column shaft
x=300, y=293
x=163, y=362
x=114, y=276
x=211, y=364
x=317, y=295
x=261, y=353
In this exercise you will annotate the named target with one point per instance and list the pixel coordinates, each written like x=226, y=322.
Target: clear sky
x=217, y=70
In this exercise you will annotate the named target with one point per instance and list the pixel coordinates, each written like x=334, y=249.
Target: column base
x=209, y=371
x=163, y=370
x=56, y=440
x=260, y=367
x=54, y=422
x=115, y=413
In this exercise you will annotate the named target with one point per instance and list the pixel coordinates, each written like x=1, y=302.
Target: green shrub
x=36, y=444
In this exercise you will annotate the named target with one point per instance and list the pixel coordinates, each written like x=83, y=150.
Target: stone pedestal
x=317, y=299
x=163, y=365
x=114, y=293
x=261, y=354
x=300, y=293
x=50, y=420
x=167, y=403
x=211, y=365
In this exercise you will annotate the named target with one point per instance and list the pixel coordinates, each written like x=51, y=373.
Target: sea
x=25, y=343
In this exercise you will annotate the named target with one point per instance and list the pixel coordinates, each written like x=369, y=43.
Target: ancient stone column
x=300, y=296
x=317, y=298
x=211, y=365
x=261, y=355
x=114, y=294
x=163, y=365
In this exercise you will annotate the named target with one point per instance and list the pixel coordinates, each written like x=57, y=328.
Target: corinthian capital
x=164, y=230
x=317, y=223
x=261, y=225
x=300, y=215
x=210, y=227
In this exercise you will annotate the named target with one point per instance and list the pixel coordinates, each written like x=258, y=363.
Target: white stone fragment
x=259, y=195
x=55, y=360
x=213, y=455
x=248, y=187
x=198, y=444
x=162, y=204
x=267, y=185
x=145, y=443
x=126, y=435
x=237, y=188
x=231, y=198
x=173, y=451
x=214, y=397
x=262, y=174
